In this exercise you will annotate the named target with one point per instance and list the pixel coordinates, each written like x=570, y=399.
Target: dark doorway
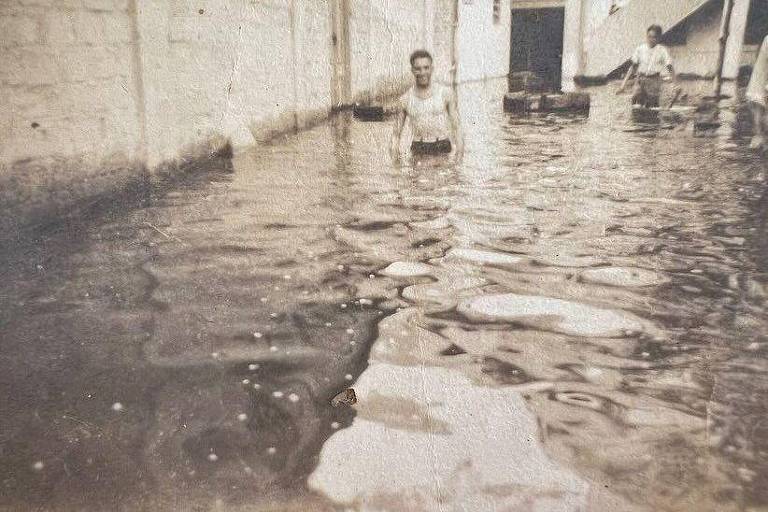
x=537, y=44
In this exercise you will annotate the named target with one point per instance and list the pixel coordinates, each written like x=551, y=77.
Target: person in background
x=757, y=90
x=649, y=61
x=432, y=112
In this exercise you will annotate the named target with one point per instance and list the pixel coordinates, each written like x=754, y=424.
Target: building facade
x=599, y=36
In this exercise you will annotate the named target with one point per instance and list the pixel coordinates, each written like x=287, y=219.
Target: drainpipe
x=724, y=33
x=137, y=74
x=369, y=87
x=455, y=43
x=294, y=59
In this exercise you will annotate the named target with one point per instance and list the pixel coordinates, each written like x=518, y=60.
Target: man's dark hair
x=420, y=54
x=655, y=29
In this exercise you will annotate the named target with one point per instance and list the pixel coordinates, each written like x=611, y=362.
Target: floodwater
x=573, y=319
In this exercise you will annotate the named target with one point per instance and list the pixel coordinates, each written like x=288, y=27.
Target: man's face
x=422, y=71
x=652, y=37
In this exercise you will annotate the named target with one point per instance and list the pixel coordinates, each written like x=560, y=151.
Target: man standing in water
x=431, y=110
x=757, y=91
x=649, y=61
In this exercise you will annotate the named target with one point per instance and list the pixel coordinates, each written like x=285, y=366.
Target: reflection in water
x=604, y=287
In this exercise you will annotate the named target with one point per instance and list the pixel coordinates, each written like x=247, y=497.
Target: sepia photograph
x=383, y=256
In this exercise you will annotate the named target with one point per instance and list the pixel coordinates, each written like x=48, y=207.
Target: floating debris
x=117, y=407
x=242, y=417
x=293, y=397
x=38, y=466
x=346, y=397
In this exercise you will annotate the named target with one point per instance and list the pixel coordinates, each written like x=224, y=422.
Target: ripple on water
x=406, y=269
x=550, y=314
x=623, y=277
x=479, y=257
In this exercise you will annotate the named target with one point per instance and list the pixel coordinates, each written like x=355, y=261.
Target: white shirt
x=651, y=61
x=428, y=117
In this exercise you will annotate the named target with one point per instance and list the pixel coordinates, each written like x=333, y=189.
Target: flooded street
x=573, y=319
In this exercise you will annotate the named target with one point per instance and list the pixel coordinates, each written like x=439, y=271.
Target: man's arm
x=633, y=66
x=457, y=136
x=397, y=131
x=630, y=72
x=671, y=68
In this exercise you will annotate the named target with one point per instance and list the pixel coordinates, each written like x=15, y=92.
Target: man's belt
x=645, y=75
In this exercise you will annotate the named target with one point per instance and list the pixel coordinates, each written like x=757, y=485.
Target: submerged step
x=524, y=103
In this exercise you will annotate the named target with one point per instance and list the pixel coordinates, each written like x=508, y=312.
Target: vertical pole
x=144, y=185
x=369, y=51
x=137, y=74
x=455, y=43
x=341, y=79
x=583, y=20
x=573, y=43
x=735, y=44
x=723, y=41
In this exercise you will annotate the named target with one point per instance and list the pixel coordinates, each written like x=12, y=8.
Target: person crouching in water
x=649, y=61
x=432, y=113
x=757, y=90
